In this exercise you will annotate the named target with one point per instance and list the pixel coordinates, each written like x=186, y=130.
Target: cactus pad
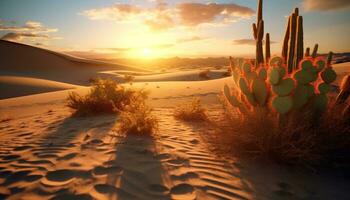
x=282, y=71
x=328, y=75
x=301, y=96
x=276, y=61
x=284, y=88
x=323, y=88
x=247, y=67
x=243, y=86
x=282, y=104
x=306, y=64
x=259, y=90
x=320, y=64
x=251, y=99
x=262, y=74
x=251, y=76
x=275, y=76
x=304, y=77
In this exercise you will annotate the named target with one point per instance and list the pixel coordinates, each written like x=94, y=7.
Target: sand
x=45, y=153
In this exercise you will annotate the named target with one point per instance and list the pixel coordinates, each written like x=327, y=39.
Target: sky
x=160, y=28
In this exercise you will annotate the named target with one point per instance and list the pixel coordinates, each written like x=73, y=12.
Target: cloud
x=31, y=29
x=193, y=14
x=19, y=36
x=325, y=5
x=190, y=39
x=247, y=42
x=162, y=16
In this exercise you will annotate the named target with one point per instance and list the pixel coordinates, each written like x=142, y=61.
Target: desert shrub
x=204, y=74
x=191, y=112
x=137, y=119
x=300, y=140
x=128, y=78
x=105, y=96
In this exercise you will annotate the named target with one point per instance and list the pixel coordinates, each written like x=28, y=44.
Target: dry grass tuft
x=300, y=140
x=137, y=119
x=191, y=112
x=129, y=78
x=105, y=96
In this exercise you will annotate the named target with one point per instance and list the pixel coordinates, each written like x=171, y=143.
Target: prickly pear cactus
x=307, y=86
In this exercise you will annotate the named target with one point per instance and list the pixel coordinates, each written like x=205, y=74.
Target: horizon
x=156, y=29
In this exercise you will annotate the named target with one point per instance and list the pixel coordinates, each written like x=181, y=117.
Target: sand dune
x=13, y=86
x=24, y=60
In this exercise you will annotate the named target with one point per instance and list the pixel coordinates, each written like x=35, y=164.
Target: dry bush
x=137, y=119
x=302, y=139
x=129, y=78
x=204, y=74
x=105, y=96
x=191, y=112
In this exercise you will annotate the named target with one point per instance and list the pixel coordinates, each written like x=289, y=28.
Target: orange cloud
x=31, y=29
x=193, y=14
x=162, y=17
x=325, y=5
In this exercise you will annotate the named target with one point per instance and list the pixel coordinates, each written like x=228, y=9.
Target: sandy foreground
x=45, y=153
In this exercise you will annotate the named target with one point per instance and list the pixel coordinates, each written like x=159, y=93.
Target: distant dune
x=24, y=60
x=13, y=86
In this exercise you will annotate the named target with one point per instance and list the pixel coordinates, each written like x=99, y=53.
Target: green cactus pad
x=251, y=99
x=235, y=76
x=306, y=64
x=282, y=104
x=284, y=88
x=230, y=98
x=282, y=71
x=259, y=90
x=320, y=102
x=262, y=74
x=243, y=86
x=276, y=61
x=323, y=88
x=227, y=91
x=251, y=76
x=320, y=64
x=304, y=77
x=247, y=68
x=275, y=76
x=301, y=96
x=328, y=75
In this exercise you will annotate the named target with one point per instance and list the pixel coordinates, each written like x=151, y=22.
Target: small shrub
x=129, y=78
x=191, y=112
x=301, y=139
x=204, y=74
x=137, y=119
x=105, y=96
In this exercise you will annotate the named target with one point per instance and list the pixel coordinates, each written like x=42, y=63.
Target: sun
x=147, y=53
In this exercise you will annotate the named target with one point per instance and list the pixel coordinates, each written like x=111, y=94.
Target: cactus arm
x=314, y=52
x=267, y=48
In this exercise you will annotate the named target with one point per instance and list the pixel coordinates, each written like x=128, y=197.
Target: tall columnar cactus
x=292, y=42
x=286, y=41
x=314, y=52
x=307, y=52
x=299, y=51
x=267, y=48
x=258, y=32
